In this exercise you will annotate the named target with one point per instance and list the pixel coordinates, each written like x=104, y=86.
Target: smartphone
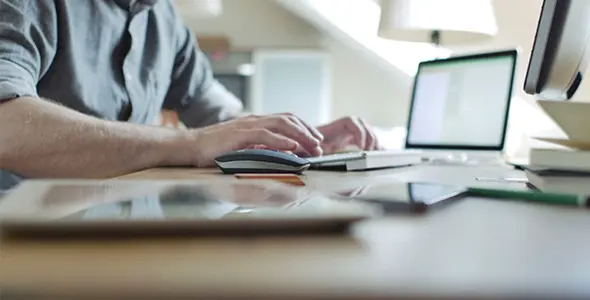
x=409, y=197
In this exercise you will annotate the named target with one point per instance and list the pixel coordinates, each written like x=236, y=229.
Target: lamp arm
x=435, y=38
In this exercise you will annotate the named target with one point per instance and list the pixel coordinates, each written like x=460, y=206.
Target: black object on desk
x=409, y=197
x=261, y=161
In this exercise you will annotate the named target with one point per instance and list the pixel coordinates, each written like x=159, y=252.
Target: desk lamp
x=440, y=22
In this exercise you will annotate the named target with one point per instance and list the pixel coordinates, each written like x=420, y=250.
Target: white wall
x=258, y=23
x=364, y=89
x=359, y=88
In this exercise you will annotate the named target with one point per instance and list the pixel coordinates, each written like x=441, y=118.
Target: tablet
x=128, y=208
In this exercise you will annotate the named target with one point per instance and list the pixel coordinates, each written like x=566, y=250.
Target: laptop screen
x=462, y=102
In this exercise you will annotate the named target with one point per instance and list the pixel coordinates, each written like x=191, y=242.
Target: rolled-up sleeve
x=27, y=45
x=199, y=99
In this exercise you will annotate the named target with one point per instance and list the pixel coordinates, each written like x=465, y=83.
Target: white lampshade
x=457, y=21
x=200, y=8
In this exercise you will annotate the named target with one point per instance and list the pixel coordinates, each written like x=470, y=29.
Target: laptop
x=459, y=105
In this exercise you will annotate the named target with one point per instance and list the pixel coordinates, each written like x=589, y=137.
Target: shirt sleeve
x=199, y=99
x=27, y=45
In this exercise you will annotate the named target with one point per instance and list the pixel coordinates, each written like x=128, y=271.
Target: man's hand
x=282, y=132
x=346, y=132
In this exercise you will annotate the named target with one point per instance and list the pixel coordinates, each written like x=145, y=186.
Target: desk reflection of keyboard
x=366, y=160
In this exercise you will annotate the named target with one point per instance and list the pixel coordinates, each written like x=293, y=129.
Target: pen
x=532, y=196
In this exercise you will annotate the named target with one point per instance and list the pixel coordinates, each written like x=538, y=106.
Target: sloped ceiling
x=354, y=23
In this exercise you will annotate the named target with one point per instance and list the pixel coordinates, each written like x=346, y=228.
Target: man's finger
x=356, y=130
x=302, y=152
x=316, y=133
x=286, y=126
x=371, y=138
x=339, y=144
x=267, y=138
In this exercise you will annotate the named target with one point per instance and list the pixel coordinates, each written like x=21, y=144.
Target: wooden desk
x=454, y=175
x=474, y=249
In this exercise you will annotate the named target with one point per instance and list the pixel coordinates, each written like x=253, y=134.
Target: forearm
x=41, y=139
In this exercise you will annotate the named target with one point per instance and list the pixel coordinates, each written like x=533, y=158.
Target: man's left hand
x=348, y=131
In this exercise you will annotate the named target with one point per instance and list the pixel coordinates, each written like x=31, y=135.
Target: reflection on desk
x=478, y=248
x=206, y=199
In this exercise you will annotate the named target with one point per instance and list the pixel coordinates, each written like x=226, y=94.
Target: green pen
x=532, y=196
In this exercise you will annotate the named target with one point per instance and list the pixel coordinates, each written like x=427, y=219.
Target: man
x=79, y=79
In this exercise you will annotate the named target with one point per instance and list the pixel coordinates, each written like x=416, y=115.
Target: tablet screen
x=207, y=200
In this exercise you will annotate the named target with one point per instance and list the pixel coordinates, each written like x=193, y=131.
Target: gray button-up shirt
x=114, y=59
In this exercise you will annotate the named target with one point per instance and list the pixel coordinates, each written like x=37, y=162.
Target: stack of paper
x=566, y=166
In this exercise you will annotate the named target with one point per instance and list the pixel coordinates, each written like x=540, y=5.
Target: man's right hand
x=283, y=132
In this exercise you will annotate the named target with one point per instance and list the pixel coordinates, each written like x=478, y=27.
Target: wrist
x=175, y=149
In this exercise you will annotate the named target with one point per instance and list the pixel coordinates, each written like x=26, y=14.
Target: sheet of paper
x=572, y=117
x=573, y=144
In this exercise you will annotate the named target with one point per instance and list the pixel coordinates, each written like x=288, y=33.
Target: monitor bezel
x=547, y=38
x=513, y=53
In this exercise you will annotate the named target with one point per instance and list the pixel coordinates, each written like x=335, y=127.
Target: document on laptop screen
x=461, y=102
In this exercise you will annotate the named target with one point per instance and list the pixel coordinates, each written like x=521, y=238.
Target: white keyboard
x=367, y=159
x=336, y=157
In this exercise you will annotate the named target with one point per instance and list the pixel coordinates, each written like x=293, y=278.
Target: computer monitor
x=462, y=103
x=560, y=50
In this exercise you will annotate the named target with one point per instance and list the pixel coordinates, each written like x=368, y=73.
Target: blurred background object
x=438, y=22
x=362, y=73
x=200, y=8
